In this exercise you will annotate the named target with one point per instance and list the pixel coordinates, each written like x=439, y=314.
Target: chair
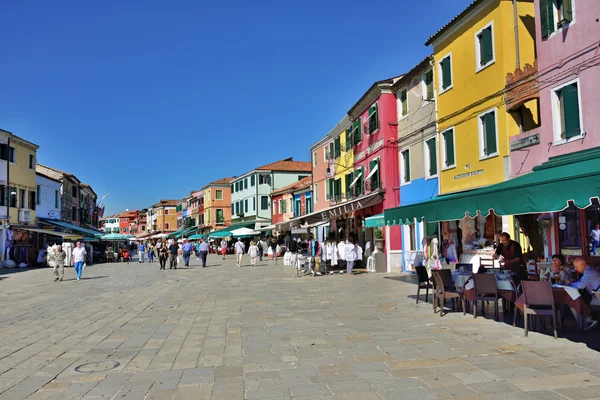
x=446, y=276
x=533, y=273
x=466, y=266
x=485, y=290
x=424, y=282
x=441, y=293
x=537, y=300
x=485, y=263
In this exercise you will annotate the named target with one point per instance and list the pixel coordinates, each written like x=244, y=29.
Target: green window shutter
x=331, y=150
x=449, y=144
x=567, y=10
x=432, y=157
x=446, y=73
x=403, y=100
x=373, y=118
x=338, y=147
x=348, y=139
x=429, y=84
x=490, y=133
x=570, y=109
x=547, y=17
x=349, y=179
x=357, y=131
x=406, y=157
x=486, y=50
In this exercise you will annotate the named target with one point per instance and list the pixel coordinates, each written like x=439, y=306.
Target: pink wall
x=318, y=176
x=382, y=146
x=564, y=56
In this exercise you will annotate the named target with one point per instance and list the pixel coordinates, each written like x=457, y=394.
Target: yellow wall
x=457, y=107
x=22, y=177
x=344, y=164
x=170, y=218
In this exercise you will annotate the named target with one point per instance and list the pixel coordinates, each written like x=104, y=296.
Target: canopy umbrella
x=116, y=236
x=197, y=236
x=219, y=234
x=244, y=232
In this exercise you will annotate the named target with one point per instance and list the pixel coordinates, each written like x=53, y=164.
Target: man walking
x=141, y=249
x=223, y=247
x=79, y=254
x=163, y=255
x=203, y=252
x=261, y=248
x=239, y=251
x=59, y=263
x=173, y=250
x=187, y=251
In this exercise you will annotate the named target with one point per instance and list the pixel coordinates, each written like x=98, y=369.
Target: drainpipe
x=516, y=22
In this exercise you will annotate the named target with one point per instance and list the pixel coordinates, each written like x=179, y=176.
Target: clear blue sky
x=150, y=99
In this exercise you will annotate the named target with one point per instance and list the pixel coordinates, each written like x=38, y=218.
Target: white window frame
x=315, y=159
x=424, y=86
x=316, y=191
x=556, y=114
x=400, y=115
x=557, y=28
x=441, y=90
x=325, y=152
x=481, y=134
x=428, y=161
x=402, y=181
x=443, y=140
x=478, y=66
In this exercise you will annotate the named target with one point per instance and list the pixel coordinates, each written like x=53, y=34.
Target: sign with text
x=525, y=142
x=468, y=174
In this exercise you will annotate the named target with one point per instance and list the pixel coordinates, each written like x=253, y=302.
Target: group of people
x=59, y=257
x=170, y=251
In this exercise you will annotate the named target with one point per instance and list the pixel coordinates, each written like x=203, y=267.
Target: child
x=253, y=253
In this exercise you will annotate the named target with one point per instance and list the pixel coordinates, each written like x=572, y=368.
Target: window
x=237, y=186
x=359, y=185
x=315, y=159
x=38, y=195
x=566, y=112
x=219, y=194
x=403, y=99
x=374, y=174
x=331, y=150
x=220, y=216
x=56, y=199
x=237, y=207
x=13, y=197
x=487, y=135
x=445, y=73
x=430, y=158
x=264, y=179
x=233, y=209
x=282, y=206
x=292, y=205
x=325, y=154
x=356, y=131
x=74, y=214
x=167, y=227
x=74, y=191
x=3, y=196
x=166, y=211
x=246, y=205
x=308, y=205
x=254, y=204
x=316, y=192
x=448, y=149
x=349, y=139
x=349, y=178
x=232, y=188
x=252, y=180
x=428, y=85
x=297, y=207
x=7, y=153
x=555, y=14
x=22, y=198
x=264, y=202
x=327, y=190
x=337, y=151
x=246, y=183
x=373, y=118
x=31, y=161
x=32, y=199
x=484, y=51
x=405, y=166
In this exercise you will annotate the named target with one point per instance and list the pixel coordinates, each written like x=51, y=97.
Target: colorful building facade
x=217, y=204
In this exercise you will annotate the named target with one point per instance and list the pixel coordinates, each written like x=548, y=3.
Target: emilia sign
x=342, y=209
x=468, y=174
x=525, y=142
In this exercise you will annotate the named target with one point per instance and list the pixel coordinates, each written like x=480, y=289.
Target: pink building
x=563, y=85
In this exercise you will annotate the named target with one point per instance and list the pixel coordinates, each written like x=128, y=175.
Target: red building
x=289, y=202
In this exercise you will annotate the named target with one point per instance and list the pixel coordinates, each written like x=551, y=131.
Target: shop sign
x=343, y=209
x=525, y=142
x=468, y=174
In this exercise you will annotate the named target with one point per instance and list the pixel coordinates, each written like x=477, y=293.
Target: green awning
x=220, y=234
x=197, y=236
x=177, y=232
x=550, y=187
x=375, y=221
x=66, y=225
x=186, y=232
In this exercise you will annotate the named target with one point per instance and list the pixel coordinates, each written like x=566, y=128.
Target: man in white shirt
x=239, y=251
x=79, y=254
x=595, y=236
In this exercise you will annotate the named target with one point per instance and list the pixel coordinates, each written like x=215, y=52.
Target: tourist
x=595, y=238
x=253, y=253
x=59, y=265
x=163, y=255
x=203, y=251
x=173, y=254
x=223, y=247
x=151, y=252
x=351, y=256
x=79, y=254
x=187, y=250
x=141, y=250
x=589, y=283
x=261, y=248
x=512, y=255
x=239, y=251
x=274, y=246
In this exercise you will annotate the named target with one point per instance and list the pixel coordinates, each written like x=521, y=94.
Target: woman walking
x=223, y=248
x=351, y=256
x=163, y=255
x=274, y=249
x=151, y=252
x=253, y=253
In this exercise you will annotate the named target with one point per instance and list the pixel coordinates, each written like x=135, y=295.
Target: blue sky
x=151, y=99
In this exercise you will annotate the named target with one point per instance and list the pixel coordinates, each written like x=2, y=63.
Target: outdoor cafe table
x=461, y=281
x=561, y=296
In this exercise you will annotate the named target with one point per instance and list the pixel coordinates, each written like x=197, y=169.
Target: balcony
x=521, y=86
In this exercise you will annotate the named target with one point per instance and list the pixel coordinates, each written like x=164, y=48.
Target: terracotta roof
x=223, y=181
x=288, y=165
x=292, y=187
x=166, y=203
x=453, y=21
x=54, y=172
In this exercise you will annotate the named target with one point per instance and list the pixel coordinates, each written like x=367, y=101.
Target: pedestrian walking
x=197, y=251
x=151, y=252
x=223, y=247
x=187, y=252
x=173, y=253
x=163, y=255
x=59, y=263
x=351, y=256
x=253, y=253
x=203, y=250
x=141, y=250
x=79, y=254
x=274, y=249
x=261, y=248
x=239, y=251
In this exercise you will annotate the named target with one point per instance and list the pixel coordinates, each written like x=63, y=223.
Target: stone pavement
x=134, y=332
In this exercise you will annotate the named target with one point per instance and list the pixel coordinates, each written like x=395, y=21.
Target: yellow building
x=163, y=216
x=472, y=55
x=340, y=157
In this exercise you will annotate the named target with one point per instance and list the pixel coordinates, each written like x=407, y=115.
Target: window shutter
x=338, y=146
x=406, y=166
x=357, y=131
x=567, y=10
x=446, y=73
x=331, y=150
x=348, y=139
x=449, y=144
x=349, y=179
x=547, y=17
x=429, y=84
x=486, y=49
x=490, y=133
x=403, y=100
x=571, y=111
x=432, y=157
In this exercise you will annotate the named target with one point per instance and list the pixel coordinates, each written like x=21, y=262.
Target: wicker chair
x=485, y=290
x=442, y=293
x=424, y=282
x=538, y=300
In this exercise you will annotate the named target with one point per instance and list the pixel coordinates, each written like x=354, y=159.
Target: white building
x=48, y=197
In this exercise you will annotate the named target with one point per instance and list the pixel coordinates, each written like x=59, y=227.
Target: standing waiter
x=513, y=257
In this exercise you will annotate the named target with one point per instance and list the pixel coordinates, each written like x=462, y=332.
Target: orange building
x=217, y=204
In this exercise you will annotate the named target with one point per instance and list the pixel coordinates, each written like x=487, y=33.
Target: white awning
x=356, y=179
x=372, y=172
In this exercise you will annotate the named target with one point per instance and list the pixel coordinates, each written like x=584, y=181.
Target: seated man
x=588, y=283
